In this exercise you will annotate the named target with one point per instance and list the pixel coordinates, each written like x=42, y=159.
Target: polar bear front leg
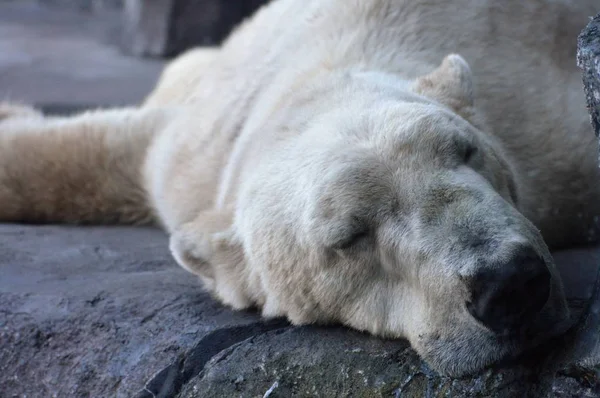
x=208, y=247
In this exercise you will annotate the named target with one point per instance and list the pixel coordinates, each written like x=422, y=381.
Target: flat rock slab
x=99, y=311
x=105, y=311
x=335, y=362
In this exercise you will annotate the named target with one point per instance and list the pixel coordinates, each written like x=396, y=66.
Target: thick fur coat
x=400, y=167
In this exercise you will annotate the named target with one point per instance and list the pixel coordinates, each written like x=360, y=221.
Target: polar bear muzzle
x=506, y=298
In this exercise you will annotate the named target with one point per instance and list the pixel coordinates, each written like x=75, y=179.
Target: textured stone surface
x=588, y=59
x=100, y=311
x=333, y=362
x=105, y=311
x=166, y=27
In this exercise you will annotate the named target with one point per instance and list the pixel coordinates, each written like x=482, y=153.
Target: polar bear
x=338, y=161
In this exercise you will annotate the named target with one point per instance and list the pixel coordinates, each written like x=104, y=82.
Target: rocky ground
x=97, y=311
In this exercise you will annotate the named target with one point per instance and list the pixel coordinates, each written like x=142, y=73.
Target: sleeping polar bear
x=335, y=161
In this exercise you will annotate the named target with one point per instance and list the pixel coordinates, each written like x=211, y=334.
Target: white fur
x=319, y=119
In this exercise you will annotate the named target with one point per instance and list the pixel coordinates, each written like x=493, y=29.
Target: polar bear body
x=331, y=162
x=284, y=46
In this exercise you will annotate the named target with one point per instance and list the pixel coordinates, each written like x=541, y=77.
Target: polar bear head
x=395, y=213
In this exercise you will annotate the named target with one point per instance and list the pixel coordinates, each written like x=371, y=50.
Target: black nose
x=504, y=298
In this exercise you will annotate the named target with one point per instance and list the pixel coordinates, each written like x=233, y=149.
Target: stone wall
x=161, y=28
x=588, y=59
x=165, y=28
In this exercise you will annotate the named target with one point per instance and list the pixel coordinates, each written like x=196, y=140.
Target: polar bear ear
x=451, y=84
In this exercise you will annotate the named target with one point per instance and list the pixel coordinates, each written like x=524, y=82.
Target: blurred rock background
x=65, y=55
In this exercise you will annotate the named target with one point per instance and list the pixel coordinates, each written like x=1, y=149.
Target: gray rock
x=146, y=26
x=334, y=362
x=105, y=311
x=588, y=59
x=100, y=311
x=161, y=28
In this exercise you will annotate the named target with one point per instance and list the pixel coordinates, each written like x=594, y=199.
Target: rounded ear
x=451, y=84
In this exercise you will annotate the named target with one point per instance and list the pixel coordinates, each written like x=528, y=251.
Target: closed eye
x=351, y=240
x=470, y=151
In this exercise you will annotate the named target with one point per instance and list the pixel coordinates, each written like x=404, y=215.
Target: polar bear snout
x=506, y=297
